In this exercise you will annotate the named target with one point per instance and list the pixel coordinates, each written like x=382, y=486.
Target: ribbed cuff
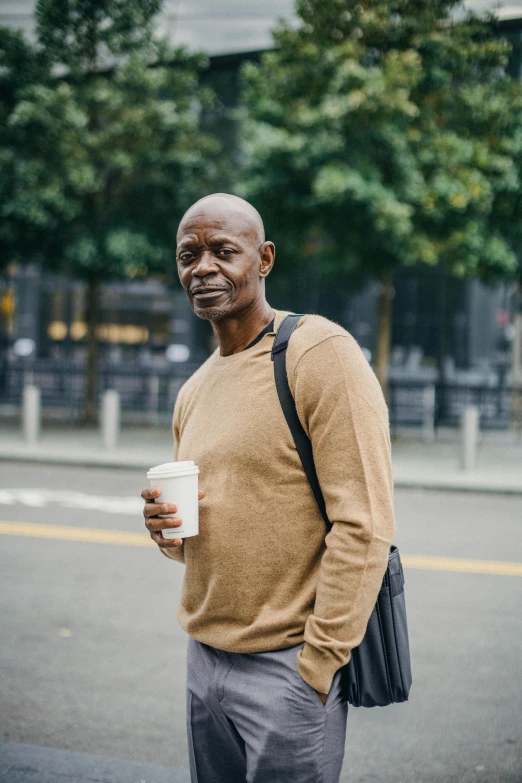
x=316, y=668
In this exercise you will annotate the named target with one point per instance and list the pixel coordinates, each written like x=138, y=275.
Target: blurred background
x=382, y=144
x=407, y=235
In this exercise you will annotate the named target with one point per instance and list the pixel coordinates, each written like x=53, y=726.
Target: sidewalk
x=437, y=465
x=415, y=464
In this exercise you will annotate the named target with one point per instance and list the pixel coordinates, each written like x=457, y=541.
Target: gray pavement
x=93, y=659
x=416, y=464
x=20, y=763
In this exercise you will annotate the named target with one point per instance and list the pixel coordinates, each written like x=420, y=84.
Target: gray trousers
x=251, y=718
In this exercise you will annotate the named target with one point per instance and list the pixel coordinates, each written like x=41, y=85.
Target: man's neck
x=235, y=333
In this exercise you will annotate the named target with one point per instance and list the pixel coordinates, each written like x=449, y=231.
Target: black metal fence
x=145, y=390
x=441, y=404
x=152, y=391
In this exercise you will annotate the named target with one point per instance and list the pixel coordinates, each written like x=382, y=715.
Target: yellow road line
x=68, y=533
x=122, y=537
x=499, y=567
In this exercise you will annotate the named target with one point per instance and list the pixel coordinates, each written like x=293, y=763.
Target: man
x=272, y=606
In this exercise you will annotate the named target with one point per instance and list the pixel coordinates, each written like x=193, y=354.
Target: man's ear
x=267, y=258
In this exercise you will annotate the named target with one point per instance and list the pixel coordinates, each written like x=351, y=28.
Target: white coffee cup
x=178, y=482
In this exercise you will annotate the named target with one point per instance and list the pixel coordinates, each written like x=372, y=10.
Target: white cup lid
x=173, y=468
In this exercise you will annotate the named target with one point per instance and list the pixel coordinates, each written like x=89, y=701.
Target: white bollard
x=110, y=419
x=154, y=390
x=469, y=431
x=31, y=413
x=428, y=413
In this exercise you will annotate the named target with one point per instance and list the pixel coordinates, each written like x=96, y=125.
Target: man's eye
x=225, y=251
x=186, y=257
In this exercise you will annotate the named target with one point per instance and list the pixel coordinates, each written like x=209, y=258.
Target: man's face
x=221, y=260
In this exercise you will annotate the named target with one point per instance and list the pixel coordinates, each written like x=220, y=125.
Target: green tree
x=21, y=66
x=384, y=134
x=105, y=150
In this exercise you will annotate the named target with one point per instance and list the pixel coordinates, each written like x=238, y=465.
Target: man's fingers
x=150, y=493
x=166, y=543
x=201, y=494
x=157, y=523
x=155, y=509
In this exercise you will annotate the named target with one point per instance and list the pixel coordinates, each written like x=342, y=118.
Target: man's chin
x=213, y=313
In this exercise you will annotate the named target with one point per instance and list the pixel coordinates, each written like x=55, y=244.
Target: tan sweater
x=260, y=575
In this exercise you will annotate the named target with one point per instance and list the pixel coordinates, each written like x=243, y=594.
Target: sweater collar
x=264, y=344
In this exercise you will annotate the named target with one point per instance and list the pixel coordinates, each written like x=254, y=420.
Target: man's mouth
x=207, y=292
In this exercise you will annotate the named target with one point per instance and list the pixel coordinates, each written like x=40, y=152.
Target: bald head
x=226, y=207
x=223, y=258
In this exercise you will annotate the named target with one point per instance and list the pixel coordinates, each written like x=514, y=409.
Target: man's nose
x=206, y=265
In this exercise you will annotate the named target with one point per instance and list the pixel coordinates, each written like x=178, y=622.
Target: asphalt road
x=92, y=658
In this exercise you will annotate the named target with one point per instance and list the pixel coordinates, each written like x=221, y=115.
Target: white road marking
x=41, y=498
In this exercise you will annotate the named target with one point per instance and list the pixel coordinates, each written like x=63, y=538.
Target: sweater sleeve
x=341, y=407
x=175, y=553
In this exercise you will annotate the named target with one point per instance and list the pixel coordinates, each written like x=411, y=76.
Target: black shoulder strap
x=301, y=439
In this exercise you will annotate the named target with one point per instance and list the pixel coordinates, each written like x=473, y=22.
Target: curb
x=87, y=461
x=452, y=485
x=447, y=483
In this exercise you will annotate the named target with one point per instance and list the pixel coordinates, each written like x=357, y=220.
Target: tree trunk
x=516, y=406
x=91, y=385
x=384, y=323
x=440, y=412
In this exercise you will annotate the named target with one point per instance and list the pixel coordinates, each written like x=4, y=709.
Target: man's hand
x=155, y=524
x=322, y=696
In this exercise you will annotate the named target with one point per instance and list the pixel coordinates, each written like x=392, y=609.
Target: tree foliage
x=98, y=164
x=21, y=67
x=86, y=34
x=392, y=130
x=102, y=146
x=386, y=134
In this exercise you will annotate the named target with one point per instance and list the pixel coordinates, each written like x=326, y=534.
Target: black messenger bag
x=379, y=670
